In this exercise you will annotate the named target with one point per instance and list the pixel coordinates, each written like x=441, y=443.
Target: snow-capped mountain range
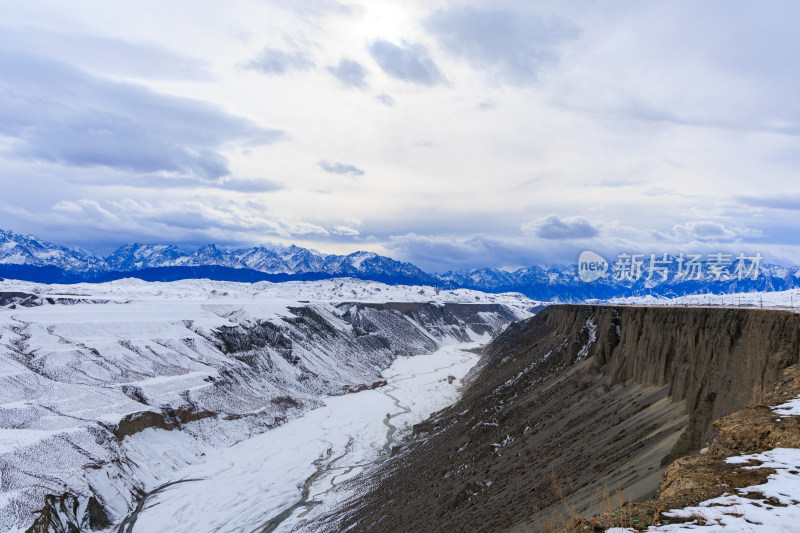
x=28, y=250
x=29, y=258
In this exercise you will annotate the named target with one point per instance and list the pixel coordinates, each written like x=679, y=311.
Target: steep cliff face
x=744, y=477
x=569, y=405
x=716, y=360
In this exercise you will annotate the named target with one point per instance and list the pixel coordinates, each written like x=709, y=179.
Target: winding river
x=270, y=481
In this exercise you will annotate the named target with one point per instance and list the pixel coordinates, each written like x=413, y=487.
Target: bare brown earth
x=168, y=419
x=691, y=480
x=553, y=424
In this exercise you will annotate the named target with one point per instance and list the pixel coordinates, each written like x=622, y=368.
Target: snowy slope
x=88, y=371
x=330, y=290
x=789, y=299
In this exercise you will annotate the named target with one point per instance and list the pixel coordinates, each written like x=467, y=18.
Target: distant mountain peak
x=289, y=260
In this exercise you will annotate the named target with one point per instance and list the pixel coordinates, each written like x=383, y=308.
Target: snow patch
x=591, y=328
x=738, y=512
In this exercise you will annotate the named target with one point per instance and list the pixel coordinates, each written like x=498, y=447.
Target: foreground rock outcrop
x=572, y=405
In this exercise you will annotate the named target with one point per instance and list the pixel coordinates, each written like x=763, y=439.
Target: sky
x=448, y=134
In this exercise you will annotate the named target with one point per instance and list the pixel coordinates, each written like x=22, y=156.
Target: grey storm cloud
x=350, y=73
x=274, y=61
x=107, y=54
x=435, y=253
x=333, y=167
x=61, y=114
x=512, y=44
x=410, y=62
x=180, y=221
x=556, y=228
x=439, y=253
x=703, y=230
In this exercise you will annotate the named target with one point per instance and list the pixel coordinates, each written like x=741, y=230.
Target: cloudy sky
x=449, y=134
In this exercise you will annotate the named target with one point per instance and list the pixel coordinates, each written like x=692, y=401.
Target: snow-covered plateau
x=200, y=405
x=788, y=300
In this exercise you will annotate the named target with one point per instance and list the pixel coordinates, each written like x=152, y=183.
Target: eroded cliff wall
x=571, y=405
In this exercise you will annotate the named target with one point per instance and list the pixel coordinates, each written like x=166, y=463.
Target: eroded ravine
x=357, y=430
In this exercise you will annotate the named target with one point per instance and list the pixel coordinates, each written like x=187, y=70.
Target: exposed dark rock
x=286, y=401
x=262, y=333
x=68, y=513
x=19, y=298
x=358, y=388
x=167, y=418
x=24, y=299
x=312, y=319
x=135, y=393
